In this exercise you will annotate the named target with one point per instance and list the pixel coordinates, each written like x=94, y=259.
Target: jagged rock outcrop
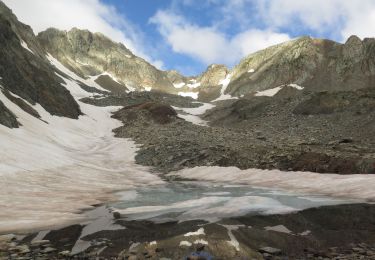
x=175, y=77
x=7, y=118
x=211, y=82
x=213, y=75
x=25, y=71
x=90, y=54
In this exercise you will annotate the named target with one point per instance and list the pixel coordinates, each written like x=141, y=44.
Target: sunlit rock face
x=316, y=64
x=90, y=54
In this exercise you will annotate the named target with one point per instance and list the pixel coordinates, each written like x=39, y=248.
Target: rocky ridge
x=26, y=72
x=91, y=54
x=316, y=64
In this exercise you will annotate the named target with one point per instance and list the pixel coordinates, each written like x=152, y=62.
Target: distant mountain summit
x=91, y=54
x=315, y=64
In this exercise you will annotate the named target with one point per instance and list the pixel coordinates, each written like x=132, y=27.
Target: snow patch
x=41, y=163
x=82, y=63
x=295, y=86
x=72, y=85
x=233, y=240
x=179, y=85
x=24, y=45
x=186, y=243
x=193, y=119
x=224, y=82
x=192, y=114
x=193, y=85
x=268, y=93
x=273, y=91
x=197, y=110
x=196, y=233
x=201, y=241
x=193, y=95
x=305, y=233
x=221, y=193
x=356, y=186
x=279, y=228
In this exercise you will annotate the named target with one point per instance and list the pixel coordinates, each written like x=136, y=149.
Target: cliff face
x=25, y=71
x=90, y=54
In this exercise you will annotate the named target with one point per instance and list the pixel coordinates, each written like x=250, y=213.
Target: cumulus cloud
x=336, y=19
x=84, y=14
x=208, y=44
x=345, y=17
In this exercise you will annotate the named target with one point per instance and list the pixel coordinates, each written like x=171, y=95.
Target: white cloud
x=345, y=17
x=207, y=43
x=337, y=19
x=84, y=14
x=253, y=40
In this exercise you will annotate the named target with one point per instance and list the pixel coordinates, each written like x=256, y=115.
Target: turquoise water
x=183, y=201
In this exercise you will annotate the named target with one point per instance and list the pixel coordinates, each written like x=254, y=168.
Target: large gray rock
x=7, y=118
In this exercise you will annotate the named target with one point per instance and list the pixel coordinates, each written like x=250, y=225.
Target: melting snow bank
x=273, y=91
x=224, y=85
x=192, y=114
x=347, y=186
x=193, y=95
x=50, y=171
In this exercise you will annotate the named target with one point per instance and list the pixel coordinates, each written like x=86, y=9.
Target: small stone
x=358, y=250
x=116, y=215
x=266, y=255
x=270, y=250
x=39, y=242
x=24, y=249
x=49, y=250
x=65, y=253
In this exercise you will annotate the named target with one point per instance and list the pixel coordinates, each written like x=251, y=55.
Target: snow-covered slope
x=54, y=167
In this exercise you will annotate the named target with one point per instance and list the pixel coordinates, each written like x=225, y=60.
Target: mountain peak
x=353, y=39
x=91, y=54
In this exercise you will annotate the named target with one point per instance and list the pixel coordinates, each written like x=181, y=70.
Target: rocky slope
x=250, y=134
x=315, y=64
x=25, y=71
x=91, y=54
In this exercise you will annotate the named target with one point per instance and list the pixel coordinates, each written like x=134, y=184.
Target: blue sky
x=188, y=35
